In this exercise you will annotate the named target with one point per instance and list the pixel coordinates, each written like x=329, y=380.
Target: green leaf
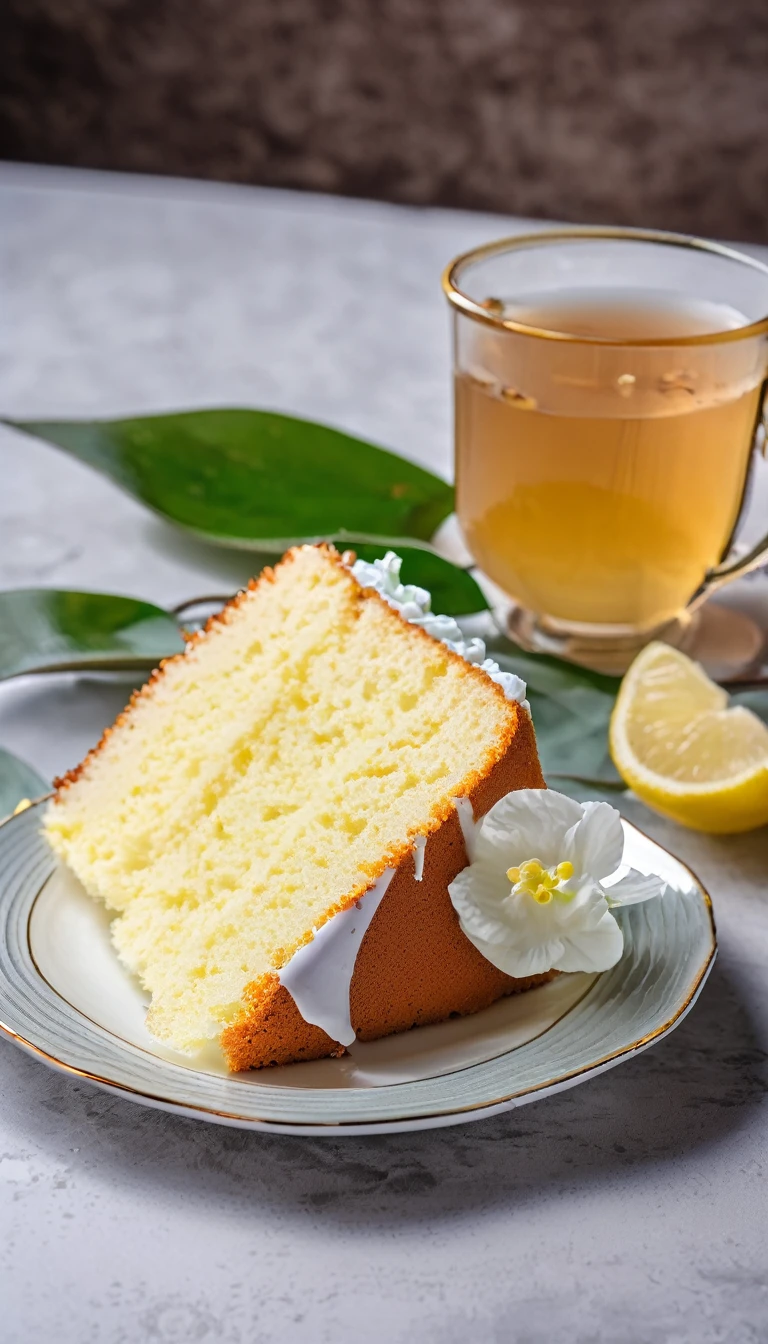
x=45, y=630
x=549, y=675
x=573, y=742
x=571, y=708
x=589, y=790
x=256, y=479
x=454, y=591
x=17, y=780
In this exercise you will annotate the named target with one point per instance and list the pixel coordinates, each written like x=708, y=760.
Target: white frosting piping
x=419, y=845
x=467, y=822
x=318, y=977
x=415, y=605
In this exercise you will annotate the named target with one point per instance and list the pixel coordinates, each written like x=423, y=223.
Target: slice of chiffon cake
x=312, y=752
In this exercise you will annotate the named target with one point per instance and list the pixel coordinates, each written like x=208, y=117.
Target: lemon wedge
x=678, y=745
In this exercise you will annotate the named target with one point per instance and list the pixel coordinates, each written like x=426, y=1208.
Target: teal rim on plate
x=669, y=948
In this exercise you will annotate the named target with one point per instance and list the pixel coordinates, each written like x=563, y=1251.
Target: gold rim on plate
x=360, y=1123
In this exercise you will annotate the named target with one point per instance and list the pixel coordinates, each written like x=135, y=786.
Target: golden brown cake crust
x=415, y=965
x=146, y=691
x=259, y=990
x=223, y=617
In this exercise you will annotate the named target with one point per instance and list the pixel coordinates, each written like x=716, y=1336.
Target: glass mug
x=609, y=390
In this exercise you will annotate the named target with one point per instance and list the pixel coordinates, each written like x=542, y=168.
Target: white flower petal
x=587, y=905
x=635, y=887
x=508, y=926
x=513, y=955
x=595, y=949
x=478, y=895
x=526, y=824
x=521, y=962
x=596, y=845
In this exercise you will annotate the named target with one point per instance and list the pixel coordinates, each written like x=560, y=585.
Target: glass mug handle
x=728, y=570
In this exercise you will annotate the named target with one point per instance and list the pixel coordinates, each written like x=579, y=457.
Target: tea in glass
x=604, y=430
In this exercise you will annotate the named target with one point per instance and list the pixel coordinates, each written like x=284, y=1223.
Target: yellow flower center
x=543, y=884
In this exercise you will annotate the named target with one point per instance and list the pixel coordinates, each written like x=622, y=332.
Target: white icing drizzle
x=318, y=977
x=415, y=605
x=467, y=822
x=419, y=845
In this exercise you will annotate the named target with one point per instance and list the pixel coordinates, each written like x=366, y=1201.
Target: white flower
x=534, y=896
x=415, y=604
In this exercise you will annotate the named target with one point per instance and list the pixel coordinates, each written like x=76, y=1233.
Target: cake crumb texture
x=262, y=780
x=415, y=966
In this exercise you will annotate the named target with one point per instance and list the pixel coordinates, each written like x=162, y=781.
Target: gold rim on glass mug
x=609, y=392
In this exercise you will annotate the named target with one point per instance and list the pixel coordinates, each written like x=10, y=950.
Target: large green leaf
x=45, y=630
x=256, y=479
x=17, y=780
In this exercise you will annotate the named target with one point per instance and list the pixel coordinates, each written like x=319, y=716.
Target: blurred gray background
x=653, y=112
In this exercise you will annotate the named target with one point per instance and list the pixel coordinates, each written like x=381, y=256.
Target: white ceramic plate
x=65, y=997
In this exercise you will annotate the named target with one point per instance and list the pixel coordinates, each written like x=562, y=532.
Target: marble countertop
x=631, y=1210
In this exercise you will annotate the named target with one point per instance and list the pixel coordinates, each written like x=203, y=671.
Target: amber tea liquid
x=598, y=484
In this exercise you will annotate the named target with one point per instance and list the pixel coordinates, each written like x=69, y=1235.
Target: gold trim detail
x=507, y=1100
x=462, y=303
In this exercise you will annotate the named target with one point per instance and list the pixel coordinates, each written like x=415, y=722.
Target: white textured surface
x=630, y=1211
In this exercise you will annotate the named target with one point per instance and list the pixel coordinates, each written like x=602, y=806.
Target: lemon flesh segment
x=678, y=745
